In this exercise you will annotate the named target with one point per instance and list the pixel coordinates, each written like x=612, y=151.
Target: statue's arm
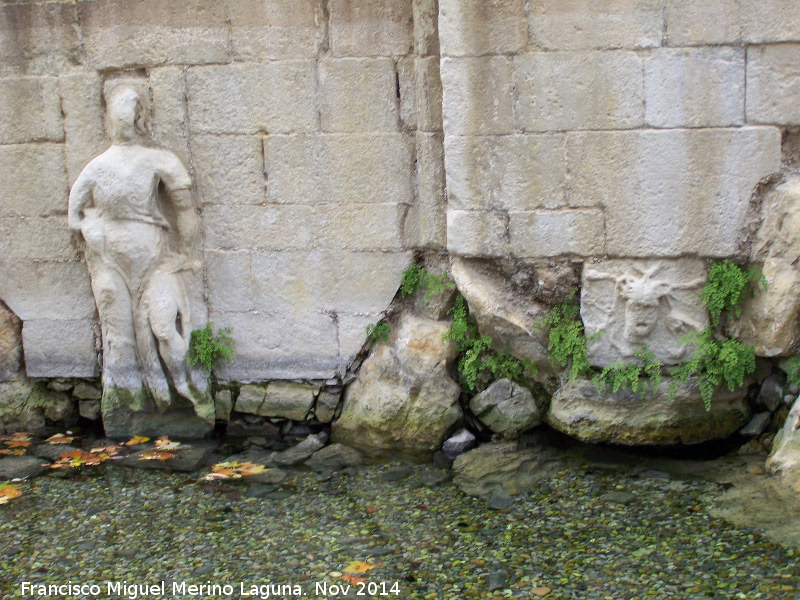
x=187, y=221
x=80, y=197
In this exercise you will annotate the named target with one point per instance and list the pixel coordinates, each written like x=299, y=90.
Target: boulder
x=506, y=408
x=624, y=417
x=326, y=405
x=784, y=460
x=26, y=406
x=488, y=468
x=770, y=395
x=461, y=441
x=10, y=344
x=302, y=451
x=334, y=457
x=403, y=399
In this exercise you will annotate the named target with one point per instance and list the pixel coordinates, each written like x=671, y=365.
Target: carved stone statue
x=133, y=207
x=629, y=304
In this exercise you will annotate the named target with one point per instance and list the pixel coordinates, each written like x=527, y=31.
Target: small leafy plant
x=377, y=333
x=206, y=349
x=566, y=340
x=793, y=370
x=636, y=376
x=726, y=288
x=478, y=362
x=715, y=361
x=416, y=277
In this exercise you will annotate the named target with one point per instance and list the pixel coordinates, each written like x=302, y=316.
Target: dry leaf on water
x=137, y=439
x=8, y=491
x=233, y=470
x=164, y=443
x=60, y=438
x=541, y=591
x=156, y=455
x=78, y=458
x=360, y=567
x=16, y=452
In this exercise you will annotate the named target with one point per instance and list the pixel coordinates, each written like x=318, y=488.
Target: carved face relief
x=629, y=304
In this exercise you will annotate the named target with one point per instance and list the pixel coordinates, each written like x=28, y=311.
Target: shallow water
x=660, y=538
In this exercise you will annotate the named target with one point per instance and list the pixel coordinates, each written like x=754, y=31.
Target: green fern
x=417, y=277
x=379, y=332
x=206, y=349
x=715, y=362
x=792, y=368
x=726, y=288
x=635, y=376
x=566, y=340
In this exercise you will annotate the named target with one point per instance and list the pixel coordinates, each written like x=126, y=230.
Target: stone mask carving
x=132, y=205
x=629, y=304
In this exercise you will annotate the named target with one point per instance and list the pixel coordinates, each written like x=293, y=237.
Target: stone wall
x=320, y=134
x=623, y=129
x=311, y=129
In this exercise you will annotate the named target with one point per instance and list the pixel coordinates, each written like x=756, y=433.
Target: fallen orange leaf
x=21, y=435
x=157, y=456
x=137, y=439
x=360, y=567
x=541, y=591
x=353, y=578
x=8, y=491
x=164, y=443
x=59, y=439
x=110, y=450
x=17, y=452
x=372, y=509
x=20, y=443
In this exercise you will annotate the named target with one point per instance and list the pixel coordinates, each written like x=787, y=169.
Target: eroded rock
x=784, y=461
x=624, y=417
x=26, y=406
x=10, y=344
x=486, y=469
x=507, y=408
x=403, y=399
x=334, y=457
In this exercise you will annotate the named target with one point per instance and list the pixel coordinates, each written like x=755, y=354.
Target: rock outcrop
x=507, y=408
x=404, y=399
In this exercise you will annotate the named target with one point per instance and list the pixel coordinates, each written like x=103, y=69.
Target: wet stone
x=20, y=467
x=434, y=477
x=618, y=497
x=496, y=580
x=394, y=474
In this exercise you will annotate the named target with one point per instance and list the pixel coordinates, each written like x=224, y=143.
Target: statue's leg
x=167, y=311
x=120, y=363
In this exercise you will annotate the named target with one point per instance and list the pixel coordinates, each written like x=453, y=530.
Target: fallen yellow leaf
x=17, y=452
x=59, y=438
x=360, y=567
x=163, y=443
x=137, y=439
x=20, y=443
x=541, y=591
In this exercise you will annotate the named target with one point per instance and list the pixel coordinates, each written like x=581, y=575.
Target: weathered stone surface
x=170, y=114
x=275, y=346
x=580, y=411
x=773, y=84
x=326, y=405
x=282, y=399
x=10, y=344
x=59, y=348
x=303, y=227
x=334, y=458
x=629, y=304
x=539, y=233
x=371, y=27
x=477, y=233
x=506, y=408
x=90, y=409
x=668, y=193
x=358, y=95
x=230, y=169
x=223, y=405
x=769, y=319
x=32, y=110
x=187, y=459
x=86, y=391
x=81, y=102
x=503, y=313
x=230, y=98
x=354, y=282
x=473, y=27
x=426, y=221
x=403, y=399
x=511, y=172
x=47, y=290
x=770, y=394
x=694, y=87
x=428, y=94
x=458, y=443
x=228, y=276
x=352, y=335
x=578, y=90
x=37, y=38
x=118, y=34
x=477, y=95
x=45, y=239
x=699, y=22
x=588, y=25
x=784, y=460
x=492, y=467
x=20, y=467
x=405, y=91
x=336, y=168
x=426, y=27
x=276, y=29
x=756, y=425
x=127, y=413
x=25, y=406
x=436, y=305
x=302, y=451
